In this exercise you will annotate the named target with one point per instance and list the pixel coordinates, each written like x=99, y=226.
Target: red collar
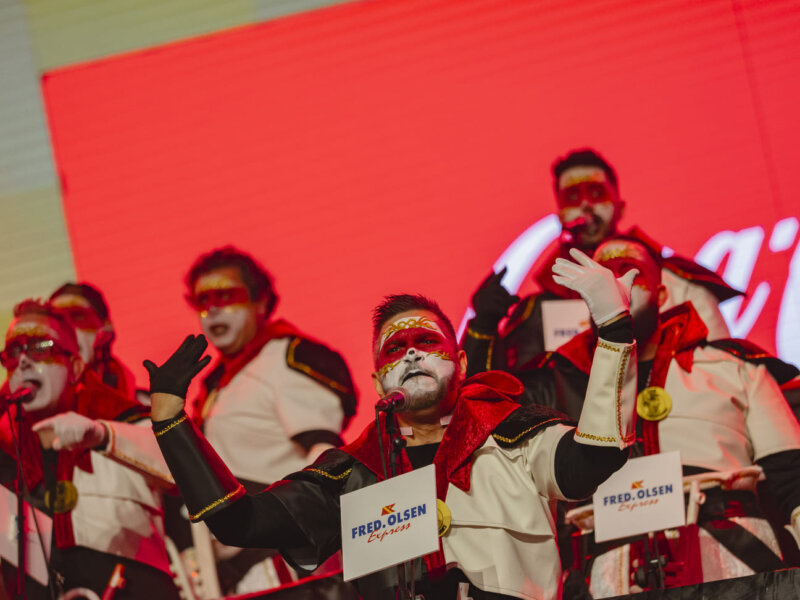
x=680, y=332
x=484, y=401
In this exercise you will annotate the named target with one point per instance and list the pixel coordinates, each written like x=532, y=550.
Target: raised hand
x=606, y=295
x=70, y=431
x=491, y=301
x=169, y=383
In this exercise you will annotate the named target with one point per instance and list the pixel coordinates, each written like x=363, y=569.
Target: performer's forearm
x=781, y=472
x=581, y=468
x=258, y=521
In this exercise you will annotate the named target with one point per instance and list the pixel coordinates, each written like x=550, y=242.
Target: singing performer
x=85, y=463
x=589, y=207
x=718, y=404
x=500, y=467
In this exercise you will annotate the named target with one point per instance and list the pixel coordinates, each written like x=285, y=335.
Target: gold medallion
x=442, y=517
x=66, y=497
x=653, y=403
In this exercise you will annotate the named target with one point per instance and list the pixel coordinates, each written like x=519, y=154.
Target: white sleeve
x=302, y=404
x=770, y=422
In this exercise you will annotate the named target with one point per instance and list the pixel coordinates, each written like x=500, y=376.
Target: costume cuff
x=607, y=418
x=206, y=483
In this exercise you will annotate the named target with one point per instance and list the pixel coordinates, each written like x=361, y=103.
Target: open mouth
x=33, y=385
x=218, y=330
x=412, y=374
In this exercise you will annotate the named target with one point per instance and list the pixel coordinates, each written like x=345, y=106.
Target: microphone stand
x=21, y=541
x=396, y=444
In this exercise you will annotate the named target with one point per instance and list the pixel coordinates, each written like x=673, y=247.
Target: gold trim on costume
x=328, y=475
x=216, y=503
x=290, y=360
x=503, y=438
x=161, y=432
x=479, y=336
x=443, y=517
x=653, y=403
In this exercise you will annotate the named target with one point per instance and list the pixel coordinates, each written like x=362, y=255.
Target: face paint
x=414, y=353
x=228, y=318
x=35, y=358
x=79, y=312
x=586, y=192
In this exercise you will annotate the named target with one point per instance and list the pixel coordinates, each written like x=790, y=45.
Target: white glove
x=71, y=431
x=605, y=295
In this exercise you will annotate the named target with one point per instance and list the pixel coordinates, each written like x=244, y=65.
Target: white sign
x=35, y=564
x=645, y=495
x=562, y=320
x=388, y=523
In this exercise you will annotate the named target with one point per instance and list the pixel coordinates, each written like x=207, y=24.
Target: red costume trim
x=90, y=398
x=484, y=401
x=232, y=365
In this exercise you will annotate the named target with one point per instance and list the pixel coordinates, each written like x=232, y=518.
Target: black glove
x=174, y=376
x=492, y=301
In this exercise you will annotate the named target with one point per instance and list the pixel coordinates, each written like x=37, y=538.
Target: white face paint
x=585, y=192
x=47, y=381
x=86, y=340
x=415, y=354
x=225, y=326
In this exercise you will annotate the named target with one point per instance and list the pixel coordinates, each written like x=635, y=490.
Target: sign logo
x=391, y=522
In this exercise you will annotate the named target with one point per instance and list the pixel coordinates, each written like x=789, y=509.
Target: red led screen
x=379, y=147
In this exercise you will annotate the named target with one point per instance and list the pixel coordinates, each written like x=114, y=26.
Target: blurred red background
x=379, y=147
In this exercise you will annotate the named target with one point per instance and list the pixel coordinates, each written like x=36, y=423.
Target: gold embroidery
x=477, y=335
x=502, y=438
x=528, y=309
x=597, y=438
x=309, y=371
x=328, y=475
x=409, y=324
x=216, y=503
x=489, y=356
x=170, y=426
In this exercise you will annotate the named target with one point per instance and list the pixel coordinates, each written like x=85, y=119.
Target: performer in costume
x=716, y=403
x=85, y=308
x=500, y=467
x=94, y=471
x=589, y=208
x=275, y=399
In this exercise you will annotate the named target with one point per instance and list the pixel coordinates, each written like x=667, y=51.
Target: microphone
x=395, y=401
x=22, y=395
x=569, y=230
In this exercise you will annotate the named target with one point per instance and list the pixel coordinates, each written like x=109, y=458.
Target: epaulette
x=134, y=414
x=333, y=466
x=324, y=366
x=748, y=351
x=524, y=423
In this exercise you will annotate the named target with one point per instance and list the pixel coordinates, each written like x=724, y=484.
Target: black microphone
x=22, y=395
x=570, y=230
x=395, y=401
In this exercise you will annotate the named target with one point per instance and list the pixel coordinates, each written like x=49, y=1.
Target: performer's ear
x=377, y=383
x=662, y=294
x=461, y=361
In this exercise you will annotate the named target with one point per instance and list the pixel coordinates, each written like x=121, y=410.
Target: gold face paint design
x=70, y=300
x=581, y=174
x=409, y=324
x=214, y=281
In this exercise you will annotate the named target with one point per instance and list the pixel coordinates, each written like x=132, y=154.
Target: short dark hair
x=37, y=307
x=400, y=303
x=583, y=157
x=255, y=277
x=90, y=293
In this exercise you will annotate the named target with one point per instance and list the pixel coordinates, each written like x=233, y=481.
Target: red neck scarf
x=232, y=365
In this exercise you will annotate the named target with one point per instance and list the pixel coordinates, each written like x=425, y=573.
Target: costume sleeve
x=771, y=425
x=782, y=471
x=580, y=468
x=135, y=446
x=479, y=346
x=607, y=417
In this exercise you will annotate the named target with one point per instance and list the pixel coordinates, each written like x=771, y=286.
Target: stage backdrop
x=381, y=147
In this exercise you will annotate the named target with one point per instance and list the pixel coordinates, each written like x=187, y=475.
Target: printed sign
x=35, y=564
x=563, y=320
x=645, y=495
x=388, y=523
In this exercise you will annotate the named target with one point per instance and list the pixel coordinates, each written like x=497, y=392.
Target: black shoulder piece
x=524, y=423
x=688, y=269
x=746, y=350
x=134, y=414
x=325, y=366
x=332, y=467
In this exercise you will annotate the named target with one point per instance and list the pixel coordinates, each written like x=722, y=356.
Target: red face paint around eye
x=37, y=349
x=220, y=298
x=419, y=338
